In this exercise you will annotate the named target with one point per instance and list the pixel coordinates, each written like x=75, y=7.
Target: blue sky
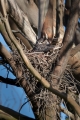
x=11, y=96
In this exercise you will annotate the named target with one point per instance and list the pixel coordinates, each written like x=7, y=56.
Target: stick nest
x=44, y=62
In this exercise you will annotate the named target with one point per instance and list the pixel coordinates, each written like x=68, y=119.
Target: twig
x=64, y=110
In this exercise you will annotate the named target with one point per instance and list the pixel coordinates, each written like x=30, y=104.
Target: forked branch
x=31, y=68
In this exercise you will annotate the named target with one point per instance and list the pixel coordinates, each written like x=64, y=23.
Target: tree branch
x=31, y=68
x=8, y=113
x=64, y=110
x=5, y=35
x=5, y=116
x=12, y=63
x=9, y=81
x=75, y=50
x=67, y=43
x=18, y=73
x=21, y=20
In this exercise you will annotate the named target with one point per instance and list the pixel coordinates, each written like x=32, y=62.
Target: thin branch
x=19, y=35
x=75, y=50
x=9, y=81
x=18, y=73
x=5, y=35
x=5, y=116
x=2, y=62
x=68, y=113
x=8, y=68
x=13, y=113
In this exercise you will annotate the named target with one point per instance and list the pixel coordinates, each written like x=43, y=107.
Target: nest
x=44, y=63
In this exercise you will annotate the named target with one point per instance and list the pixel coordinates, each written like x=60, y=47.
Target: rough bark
x=30, y=9
x=5, y=35
x=63, y=56
x=9, y=114
x=18, y=73
x=67, y=42
x=18, y=34
x=21, y=20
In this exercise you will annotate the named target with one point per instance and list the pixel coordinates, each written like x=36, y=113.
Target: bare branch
x=18, y=34
x=9, y=81
x=31, y=68
x=30, y=9
x=75, y=50
x=7, y=114
x=2, y=62
x=5, y=35
x=64, y=110
x=21, y=20
x=67, y=42
x=18, y=73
